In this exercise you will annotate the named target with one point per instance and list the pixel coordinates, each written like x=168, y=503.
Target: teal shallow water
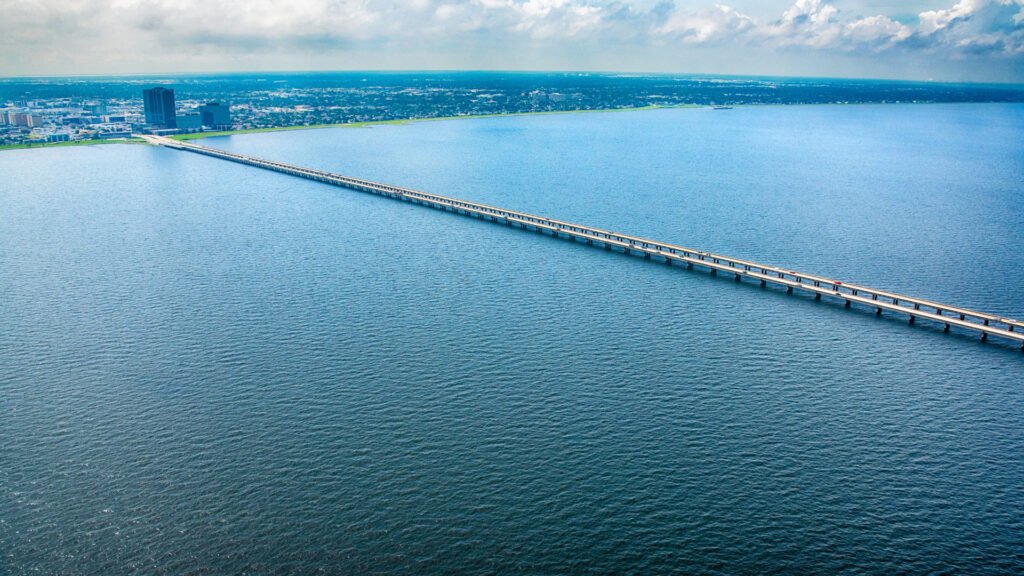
x=206, y=368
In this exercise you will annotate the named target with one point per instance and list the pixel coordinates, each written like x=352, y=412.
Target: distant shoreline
x=198, y=135
x=93, y=142
x=397, y=122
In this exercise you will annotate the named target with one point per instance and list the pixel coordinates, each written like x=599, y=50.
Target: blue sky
x=972, y=40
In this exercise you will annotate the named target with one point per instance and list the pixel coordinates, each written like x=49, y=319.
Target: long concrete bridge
x=849, y=294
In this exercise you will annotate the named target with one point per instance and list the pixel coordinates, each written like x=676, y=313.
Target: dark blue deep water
x=211, y=369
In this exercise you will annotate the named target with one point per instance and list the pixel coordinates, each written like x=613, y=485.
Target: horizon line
x=4, y=78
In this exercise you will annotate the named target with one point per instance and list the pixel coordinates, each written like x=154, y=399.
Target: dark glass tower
x=216, y=115
x=158, y=104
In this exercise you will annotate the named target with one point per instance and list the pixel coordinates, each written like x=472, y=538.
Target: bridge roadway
x=880, y=300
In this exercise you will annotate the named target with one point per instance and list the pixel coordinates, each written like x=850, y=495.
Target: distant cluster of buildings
x=162, y=117
x=13, y=121
x=67, y=118
x=34, y=123
x=13, y=118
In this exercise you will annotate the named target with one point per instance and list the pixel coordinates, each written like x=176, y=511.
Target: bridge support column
x=984, y=336
x=738, y=277
x=911, y=318
x=817, y=296
x=878, y=311
x=714, y=272
x=946, y=329
x=847, y=304
x=763, y=283
x=689, y=265
x=789, y=289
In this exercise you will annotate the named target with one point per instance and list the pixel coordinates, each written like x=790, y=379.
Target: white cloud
x=716, y=24
x=975, y=26
x=813, y=24
x=146, y=35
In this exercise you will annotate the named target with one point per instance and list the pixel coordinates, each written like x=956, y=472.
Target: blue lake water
x=208, y=368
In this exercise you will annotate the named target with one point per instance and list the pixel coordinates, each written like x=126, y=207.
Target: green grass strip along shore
x=197, y=135
x=26, y=145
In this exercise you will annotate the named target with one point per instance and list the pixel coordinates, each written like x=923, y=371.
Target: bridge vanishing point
x=879, y=300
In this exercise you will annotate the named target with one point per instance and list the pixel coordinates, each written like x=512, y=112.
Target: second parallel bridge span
x=947, y=315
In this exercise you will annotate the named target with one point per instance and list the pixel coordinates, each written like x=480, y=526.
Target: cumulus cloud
x=52, y=33
x=720, y=23
x=813, y=24
x=975, y=26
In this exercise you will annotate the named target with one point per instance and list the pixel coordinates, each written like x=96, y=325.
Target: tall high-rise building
x=158, y=104
x=216, y=115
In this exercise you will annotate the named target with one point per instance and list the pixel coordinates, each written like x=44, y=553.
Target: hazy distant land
x=291, y=101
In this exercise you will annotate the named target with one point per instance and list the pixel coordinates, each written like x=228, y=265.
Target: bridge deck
x=881, y=300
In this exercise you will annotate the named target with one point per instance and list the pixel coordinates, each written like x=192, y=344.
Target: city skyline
x=942, y=40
